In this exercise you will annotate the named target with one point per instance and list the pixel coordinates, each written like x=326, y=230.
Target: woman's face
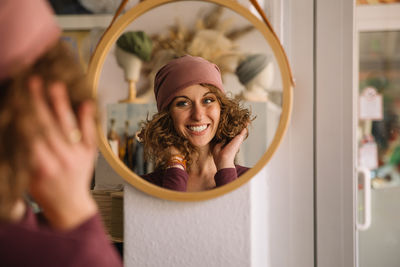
x=196, y=113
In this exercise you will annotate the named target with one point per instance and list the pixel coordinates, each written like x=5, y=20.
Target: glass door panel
x=379, y=146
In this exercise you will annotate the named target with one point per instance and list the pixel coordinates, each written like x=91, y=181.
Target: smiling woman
x=196, y=134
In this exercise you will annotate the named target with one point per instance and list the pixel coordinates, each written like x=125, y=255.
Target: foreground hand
x=224, y=156
x=63, y=157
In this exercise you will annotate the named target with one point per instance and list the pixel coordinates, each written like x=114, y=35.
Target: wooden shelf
x=83, y=22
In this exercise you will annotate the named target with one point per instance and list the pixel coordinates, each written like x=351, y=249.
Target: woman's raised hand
x=224, y=155
x=62, y=157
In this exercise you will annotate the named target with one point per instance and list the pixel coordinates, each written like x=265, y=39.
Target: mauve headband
x=183, y=72
x=27, y=29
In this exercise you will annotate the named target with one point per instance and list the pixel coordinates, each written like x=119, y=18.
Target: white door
x=378, y=139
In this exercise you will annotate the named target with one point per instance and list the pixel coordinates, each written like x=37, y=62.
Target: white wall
x=289, y=191
x=207, y=233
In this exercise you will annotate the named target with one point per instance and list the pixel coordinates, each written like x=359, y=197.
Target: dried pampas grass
x=212, y=38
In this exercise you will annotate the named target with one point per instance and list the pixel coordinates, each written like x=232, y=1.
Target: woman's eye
x=181, y=103
x=208, y=100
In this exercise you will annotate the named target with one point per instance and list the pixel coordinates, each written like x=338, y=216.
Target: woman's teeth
x=197, y=128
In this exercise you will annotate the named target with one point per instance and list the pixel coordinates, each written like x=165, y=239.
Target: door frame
x=335, y=146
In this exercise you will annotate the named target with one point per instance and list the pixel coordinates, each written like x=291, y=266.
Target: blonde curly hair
x=17, y=115
x=158, y=133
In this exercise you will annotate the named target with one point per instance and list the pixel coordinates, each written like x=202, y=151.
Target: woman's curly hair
x=158, y=133
x=17, y=115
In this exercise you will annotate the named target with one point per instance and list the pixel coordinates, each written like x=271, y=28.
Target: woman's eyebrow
x=208, y=93
x=183, y=96
x=180, y=96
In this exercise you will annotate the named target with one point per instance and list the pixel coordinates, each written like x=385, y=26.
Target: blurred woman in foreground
x=47, y=136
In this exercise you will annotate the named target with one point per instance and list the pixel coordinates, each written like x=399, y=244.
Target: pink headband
x=181, y=73
x=27, y=29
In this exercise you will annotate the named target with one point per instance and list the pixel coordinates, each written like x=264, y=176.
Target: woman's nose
x=197, y=112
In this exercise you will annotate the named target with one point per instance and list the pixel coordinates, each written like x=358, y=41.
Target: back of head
x=30, y=46
x=27, y=29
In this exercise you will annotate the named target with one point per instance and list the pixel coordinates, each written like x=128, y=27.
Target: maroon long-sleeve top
x=32, y=242
x=176, y=178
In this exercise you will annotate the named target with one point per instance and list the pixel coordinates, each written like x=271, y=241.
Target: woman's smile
x=198, y=129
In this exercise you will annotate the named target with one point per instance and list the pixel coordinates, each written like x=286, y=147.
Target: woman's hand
x=224, y=156
x=63, y=156
x=174, y=151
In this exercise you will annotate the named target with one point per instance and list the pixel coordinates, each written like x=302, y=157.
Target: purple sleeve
x=175, y=179
x=96, y=248
x=27, y=244
x=227, y=175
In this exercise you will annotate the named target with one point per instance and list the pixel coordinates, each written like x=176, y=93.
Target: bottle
x=113, y=138
x=123, y=149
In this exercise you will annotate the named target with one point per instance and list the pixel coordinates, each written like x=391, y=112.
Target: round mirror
x=253, y=67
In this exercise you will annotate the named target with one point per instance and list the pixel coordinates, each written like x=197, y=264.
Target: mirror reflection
x=184, y=129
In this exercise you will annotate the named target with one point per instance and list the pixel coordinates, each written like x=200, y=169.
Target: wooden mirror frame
x=94, y=71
